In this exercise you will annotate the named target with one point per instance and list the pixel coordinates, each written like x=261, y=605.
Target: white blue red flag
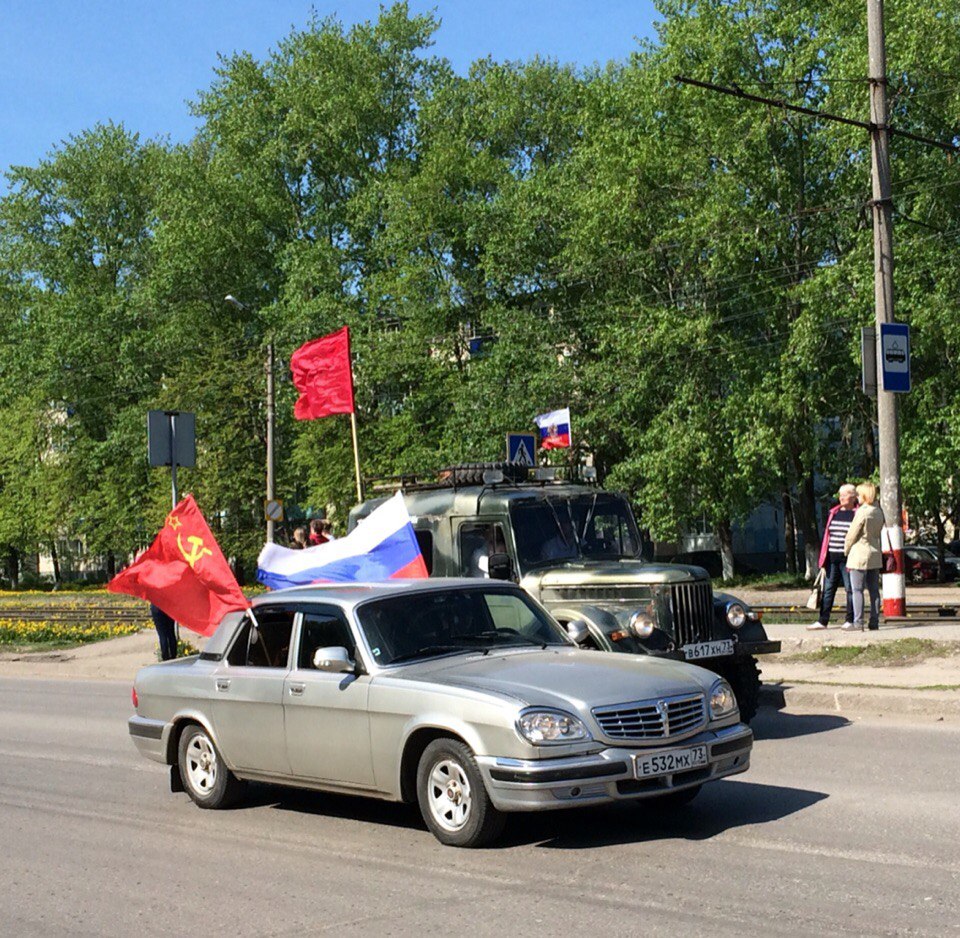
x=554, y=429
x=382, y=547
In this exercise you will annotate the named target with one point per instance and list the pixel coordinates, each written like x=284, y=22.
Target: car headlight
x=736, y=615
x=722, y=701
x=546, y=727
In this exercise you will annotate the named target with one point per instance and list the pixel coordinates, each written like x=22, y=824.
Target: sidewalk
x=926, y=688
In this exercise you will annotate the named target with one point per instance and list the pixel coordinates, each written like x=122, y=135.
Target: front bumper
x=549, y=784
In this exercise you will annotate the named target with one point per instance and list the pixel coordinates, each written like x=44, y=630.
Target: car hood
x=611, y=572
x=566, y=677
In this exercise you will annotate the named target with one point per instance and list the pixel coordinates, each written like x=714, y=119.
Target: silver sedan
x=462, y=695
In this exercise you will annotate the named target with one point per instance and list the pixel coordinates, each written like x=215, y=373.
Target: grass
x=897, y=653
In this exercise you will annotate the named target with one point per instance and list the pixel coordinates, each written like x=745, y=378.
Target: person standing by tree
x=833, y=559
x=864, y=556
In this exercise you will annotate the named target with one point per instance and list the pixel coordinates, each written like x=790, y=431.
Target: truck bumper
x=609, y=775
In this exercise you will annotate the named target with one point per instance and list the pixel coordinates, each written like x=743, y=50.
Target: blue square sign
x=522, y=449
x=894, y=357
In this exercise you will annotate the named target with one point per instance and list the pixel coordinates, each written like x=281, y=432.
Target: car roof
x=350, y=594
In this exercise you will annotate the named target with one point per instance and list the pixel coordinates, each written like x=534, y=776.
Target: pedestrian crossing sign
x=521, y=448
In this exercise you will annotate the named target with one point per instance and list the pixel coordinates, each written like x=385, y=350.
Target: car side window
x=323, y=630
x=267, y=646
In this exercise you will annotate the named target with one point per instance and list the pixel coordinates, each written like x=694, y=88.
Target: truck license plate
x=708, y=649
x=677, y=760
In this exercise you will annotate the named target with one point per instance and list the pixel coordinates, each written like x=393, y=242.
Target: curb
x=863, y=701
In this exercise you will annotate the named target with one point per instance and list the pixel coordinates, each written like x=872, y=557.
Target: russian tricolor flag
x=382, y=547
x=554, y=429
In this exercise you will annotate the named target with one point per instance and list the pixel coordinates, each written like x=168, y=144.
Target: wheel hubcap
x=449, y=795
x=201, y=764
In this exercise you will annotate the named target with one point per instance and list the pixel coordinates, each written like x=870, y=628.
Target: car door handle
x=223, y=683
x=296, y=690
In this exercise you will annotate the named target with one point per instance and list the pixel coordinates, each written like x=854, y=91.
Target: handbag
x=816, y=594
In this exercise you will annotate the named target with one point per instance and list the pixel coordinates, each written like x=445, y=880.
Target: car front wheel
x=453, y=800
x=206, y=779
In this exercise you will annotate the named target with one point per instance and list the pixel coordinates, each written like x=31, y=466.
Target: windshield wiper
x=514, y=639
x=430, y=650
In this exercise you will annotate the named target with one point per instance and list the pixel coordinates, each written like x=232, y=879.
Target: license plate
x=677, y=760
x=708, y=649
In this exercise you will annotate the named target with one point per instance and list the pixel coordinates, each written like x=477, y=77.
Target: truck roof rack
x=490, y=474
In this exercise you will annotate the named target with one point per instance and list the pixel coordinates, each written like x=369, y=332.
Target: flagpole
x=356, y=454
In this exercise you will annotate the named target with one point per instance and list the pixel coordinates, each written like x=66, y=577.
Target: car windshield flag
x=382, y=547
x=554, y=429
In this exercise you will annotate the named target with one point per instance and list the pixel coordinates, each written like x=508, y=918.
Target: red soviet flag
x=184, y=572
x=321, y=373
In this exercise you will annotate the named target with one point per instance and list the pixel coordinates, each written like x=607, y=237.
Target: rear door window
x=267, y=646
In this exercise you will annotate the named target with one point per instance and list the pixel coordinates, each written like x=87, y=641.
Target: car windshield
x=446, y=622
x=597, y=526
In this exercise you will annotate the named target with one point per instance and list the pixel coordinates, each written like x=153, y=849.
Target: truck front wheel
x=744, y=677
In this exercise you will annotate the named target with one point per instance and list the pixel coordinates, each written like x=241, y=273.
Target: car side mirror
x=334, y=658
x=577, y=630
x=499, y=567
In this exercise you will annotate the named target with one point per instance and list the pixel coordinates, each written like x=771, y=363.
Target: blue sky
x=67, y=64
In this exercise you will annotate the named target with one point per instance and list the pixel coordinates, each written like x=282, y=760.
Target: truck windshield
x=583, y=527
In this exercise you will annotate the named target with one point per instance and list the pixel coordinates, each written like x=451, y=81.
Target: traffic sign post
x=895, y=357
x=171, y=441
x=521, y=448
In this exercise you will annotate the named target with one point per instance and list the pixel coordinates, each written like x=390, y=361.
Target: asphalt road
x=838, y=828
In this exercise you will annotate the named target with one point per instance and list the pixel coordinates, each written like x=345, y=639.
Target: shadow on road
x=770, y=723
x=719, y=807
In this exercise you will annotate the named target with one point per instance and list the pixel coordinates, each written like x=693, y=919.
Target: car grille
x=652, y=719
x=691, y=608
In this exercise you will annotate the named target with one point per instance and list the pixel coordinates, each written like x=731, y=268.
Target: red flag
x=184, y=572
x=321, y=373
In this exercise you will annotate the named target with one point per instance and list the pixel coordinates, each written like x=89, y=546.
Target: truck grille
x=597, y=594
x=691, y=608
x=652, y=719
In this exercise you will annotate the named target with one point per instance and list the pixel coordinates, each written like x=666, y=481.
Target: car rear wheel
x=206, y=779
x=453, y=800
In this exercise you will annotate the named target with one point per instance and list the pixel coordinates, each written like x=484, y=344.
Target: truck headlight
x=722, y=701
x=736, y=615
x=545, y=727
x=641, y=624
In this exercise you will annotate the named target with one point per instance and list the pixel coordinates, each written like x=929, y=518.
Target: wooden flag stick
x=356, y=454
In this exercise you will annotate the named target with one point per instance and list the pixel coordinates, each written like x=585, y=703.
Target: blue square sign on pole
x=522, y=449
x=895, y=357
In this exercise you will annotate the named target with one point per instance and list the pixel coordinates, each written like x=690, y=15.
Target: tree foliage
x=688, y=272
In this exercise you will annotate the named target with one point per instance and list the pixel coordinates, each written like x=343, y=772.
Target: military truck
x=576, y=549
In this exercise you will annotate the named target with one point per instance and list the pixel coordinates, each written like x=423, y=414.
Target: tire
x=453, y=799
x=744, y=677
x=675, y=799
x=205, y=776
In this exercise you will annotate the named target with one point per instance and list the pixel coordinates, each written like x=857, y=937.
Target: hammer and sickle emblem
x=197, y=550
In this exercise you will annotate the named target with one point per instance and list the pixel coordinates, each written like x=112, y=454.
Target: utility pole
x=894, y=603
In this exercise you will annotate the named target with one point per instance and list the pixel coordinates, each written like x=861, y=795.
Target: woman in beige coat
x=864, y=558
